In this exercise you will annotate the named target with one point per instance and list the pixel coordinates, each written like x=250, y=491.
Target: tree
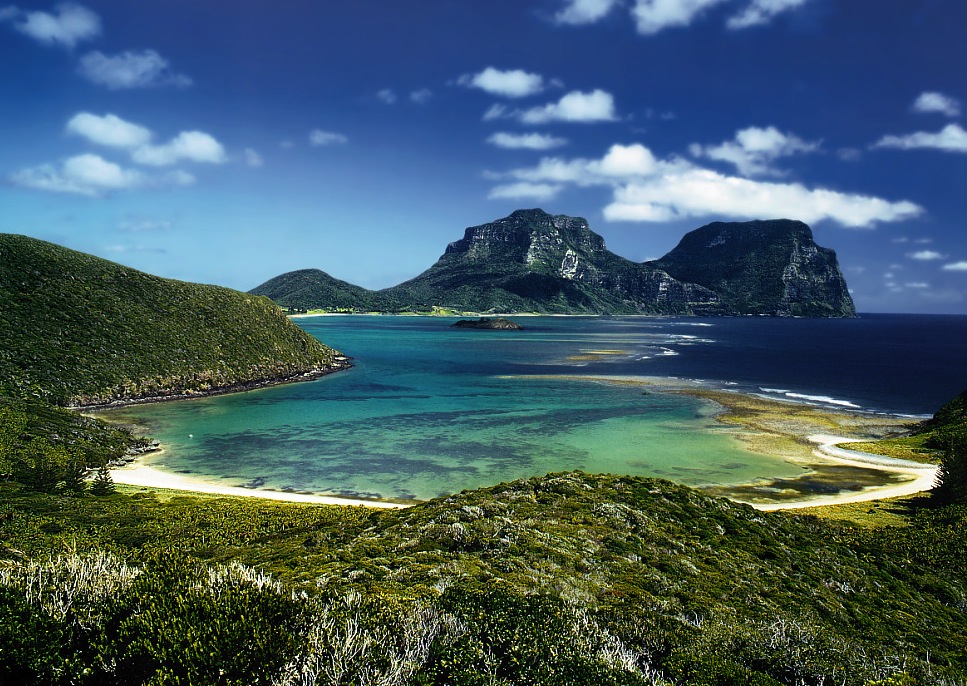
x=952, y=475
x=102, y=484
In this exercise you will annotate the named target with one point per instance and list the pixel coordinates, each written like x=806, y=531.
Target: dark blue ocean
x=428, y=409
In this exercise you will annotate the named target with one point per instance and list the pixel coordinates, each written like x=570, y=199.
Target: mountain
x=305, y=288
x=771, y=267
x=79, y=330
x=532, y=261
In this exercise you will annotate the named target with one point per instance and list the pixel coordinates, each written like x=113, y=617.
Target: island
x=494, y=324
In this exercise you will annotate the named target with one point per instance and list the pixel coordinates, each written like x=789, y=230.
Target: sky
x=229, y=142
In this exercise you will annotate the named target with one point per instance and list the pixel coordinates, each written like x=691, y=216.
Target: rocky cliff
x=762, y=267
x=538, y=262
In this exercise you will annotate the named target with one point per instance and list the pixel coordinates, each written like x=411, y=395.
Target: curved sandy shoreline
x=736, y=413
x=924, y=475
x=150, y=477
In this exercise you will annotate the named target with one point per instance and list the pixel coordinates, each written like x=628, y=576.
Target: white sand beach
x=149, y=477
x=923, y=476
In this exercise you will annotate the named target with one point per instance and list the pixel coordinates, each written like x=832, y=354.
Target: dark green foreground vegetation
x=569, y=578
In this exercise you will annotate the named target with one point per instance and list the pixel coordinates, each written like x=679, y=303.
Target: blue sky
x=230, y=142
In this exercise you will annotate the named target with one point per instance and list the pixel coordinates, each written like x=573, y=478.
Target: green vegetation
x=569, y=578
x=946, y=433
x=566, y=579
x=79, y=330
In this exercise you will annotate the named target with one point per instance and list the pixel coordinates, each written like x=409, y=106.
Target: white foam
x=822, y=399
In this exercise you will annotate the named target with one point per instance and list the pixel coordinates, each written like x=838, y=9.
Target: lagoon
x=429, y=410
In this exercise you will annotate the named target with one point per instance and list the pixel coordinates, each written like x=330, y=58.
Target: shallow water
x=430, y=410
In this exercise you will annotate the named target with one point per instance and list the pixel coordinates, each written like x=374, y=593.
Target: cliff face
x=762, y=267
x=537, y=262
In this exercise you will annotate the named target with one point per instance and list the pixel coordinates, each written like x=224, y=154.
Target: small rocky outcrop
x=494, y=324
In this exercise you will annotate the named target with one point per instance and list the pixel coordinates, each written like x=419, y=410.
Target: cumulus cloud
x=524, y=190
x=109, y=130
x=761, y=12
x=252, y=158
x=145, y=69
x=112, y=131
x=192, y=146
x=90, y=175
x=386, y=95
x=646, y=188
x=937, y=102
x=320, y=138
x=529, y=141
x=70, y=24
x=584, y=11
x=421, y=96
x=652, y=16
x=956, y=266
x=952, y=138
x=925, y=255
x=512, y=83
x=753, y=150
x=701, y=192
x=598, y=105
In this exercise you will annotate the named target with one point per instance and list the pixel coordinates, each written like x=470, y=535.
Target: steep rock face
x=762, y=267
x=532, y=260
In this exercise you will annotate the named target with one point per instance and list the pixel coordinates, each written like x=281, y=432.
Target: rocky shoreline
x=341, y=363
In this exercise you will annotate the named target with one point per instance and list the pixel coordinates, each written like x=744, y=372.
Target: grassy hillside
x=79, y=330
x=569, y=578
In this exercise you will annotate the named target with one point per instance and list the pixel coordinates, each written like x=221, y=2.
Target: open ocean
x=429, y=410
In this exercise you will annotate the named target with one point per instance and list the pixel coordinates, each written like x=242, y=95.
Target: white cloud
x=529, y=141
x=108, y=130
x=194, y=146
x=130, y=70
x=761, y=12
x=584, y=11
x=524, y=190
x=252, y=158
x=90, y=175
x=753, y=150
x=386, y=95
x=925, y=255
x=951, y=138
x=956, y=266
x=917, y=284
x=649, y=189
x=701, y=192
x=598, y=105
x=421, y=96
x=70, y=25
x=495, y=111
x=937, y=102
x=652, y=16
x=321, y=138
x=513, y=83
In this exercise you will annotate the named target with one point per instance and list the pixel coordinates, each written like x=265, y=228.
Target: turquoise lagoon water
x=430, y=410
